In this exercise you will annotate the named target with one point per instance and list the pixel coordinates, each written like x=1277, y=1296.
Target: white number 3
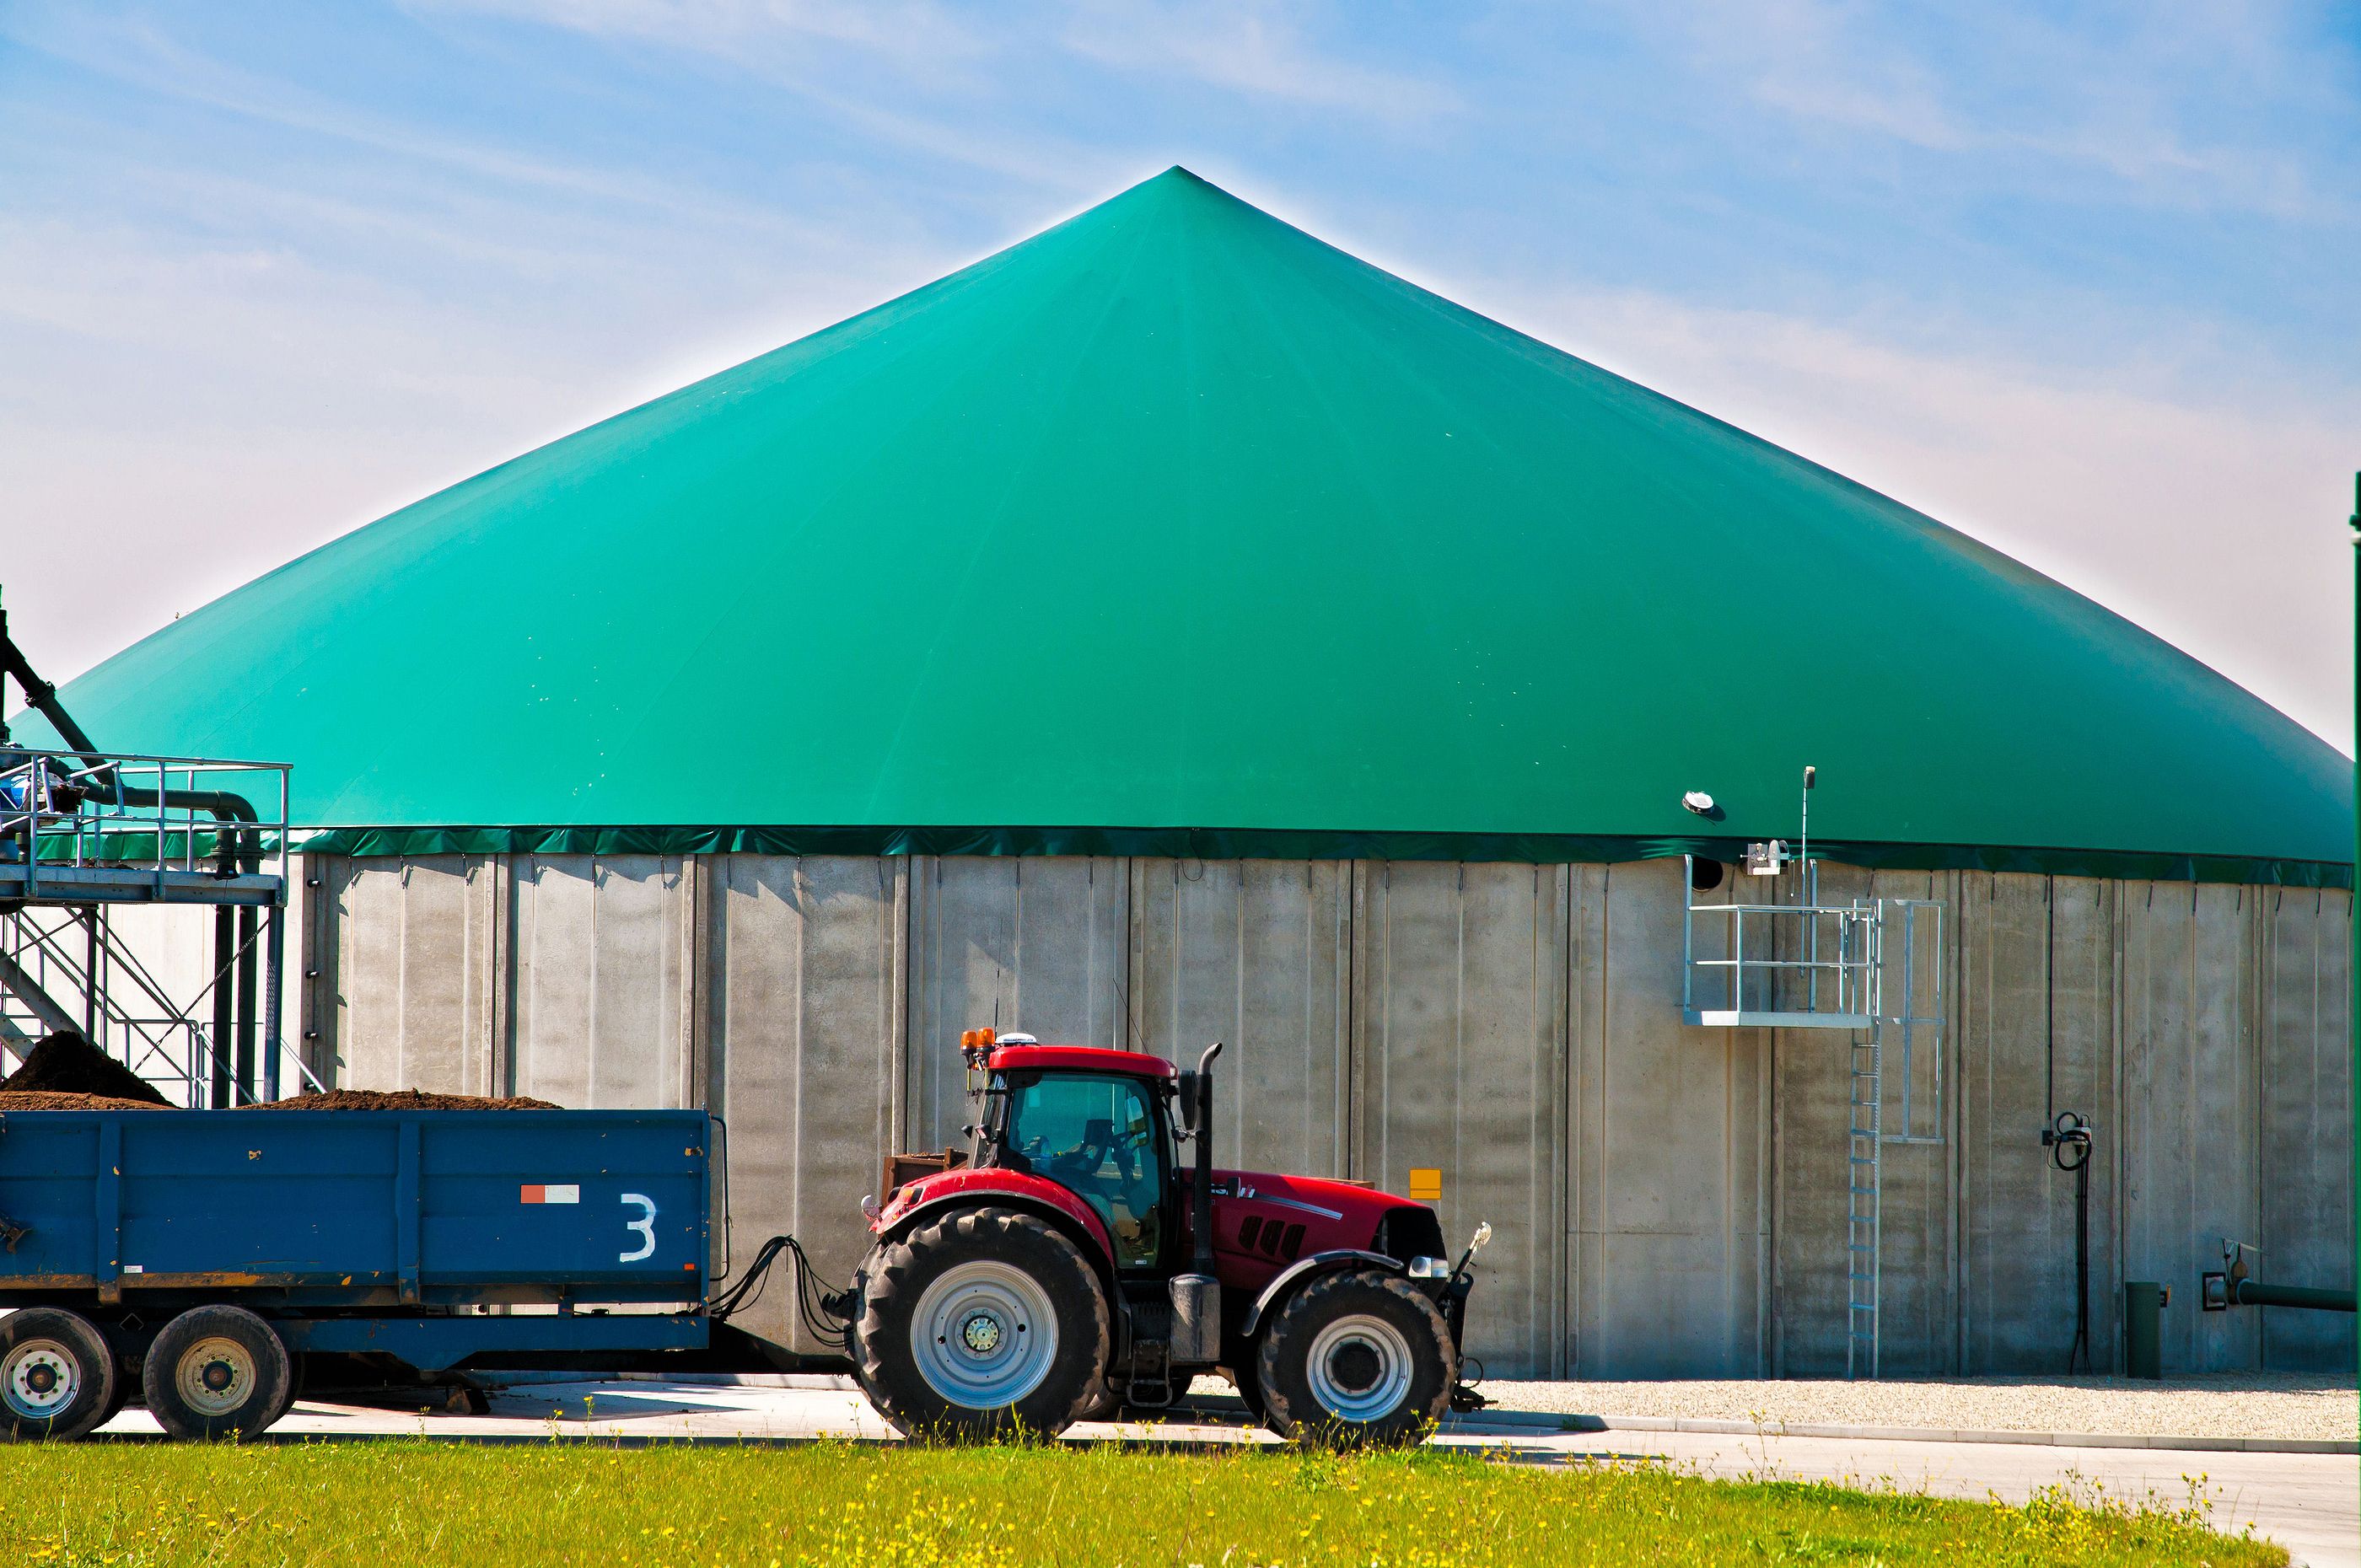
x=645, y=1225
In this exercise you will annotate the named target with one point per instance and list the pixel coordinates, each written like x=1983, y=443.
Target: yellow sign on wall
x=1425, y=1184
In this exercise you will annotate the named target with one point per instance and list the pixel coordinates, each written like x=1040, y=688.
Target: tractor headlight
x=1430, y=1268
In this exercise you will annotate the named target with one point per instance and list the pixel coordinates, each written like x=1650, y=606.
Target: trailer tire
x=126, y=1388
x=1356, y=1359
x=217, y=1372
x=57, y=1376
x=998, y=1278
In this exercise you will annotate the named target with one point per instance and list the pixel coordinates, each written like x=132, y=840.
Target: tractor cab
x=1097, y=1122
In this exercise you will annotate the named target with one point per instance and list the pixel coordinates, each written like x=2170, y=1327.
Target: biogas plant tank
x=1173, y=629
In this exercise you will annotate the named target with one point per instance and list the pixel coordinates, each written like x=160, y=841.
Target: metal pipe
x=271, y=1045
x=2255, y=1293
x=239, y=851
x=246, y=999
x=1201, y=1196
x=225, y=997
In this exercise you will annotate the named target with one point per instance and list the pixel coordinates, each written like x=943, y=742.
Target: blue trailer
x=193, y=1254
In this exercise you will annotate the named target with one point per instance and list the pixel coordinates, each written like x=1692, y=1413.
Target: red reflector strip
x=533, y=1194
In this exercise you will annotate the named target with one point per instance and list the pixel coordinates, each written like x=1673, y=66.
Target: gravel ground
x=2226, y=1404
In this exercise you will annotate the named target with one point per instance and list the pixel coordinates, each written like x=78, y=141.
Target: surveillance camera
x=1696, y=800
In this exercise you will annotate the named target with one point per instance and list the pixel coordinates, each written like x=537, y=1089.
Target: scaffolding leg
x=1865, y=1218
x=247, y=1002
x=225, y=1002
x=275, y=931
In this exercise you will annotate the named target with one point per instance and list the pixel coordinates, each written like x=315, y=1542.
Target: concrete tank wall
x=1667, y=1199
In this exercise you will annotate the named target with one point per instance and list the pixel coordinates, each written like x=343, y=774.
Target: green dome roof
x=1174, y=517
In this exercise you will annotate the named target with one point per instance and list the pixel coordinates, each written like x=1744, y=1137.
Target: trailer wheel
x=215, y=1372
x=985, y=1324
x=1356, y=1359
x=57, y=1376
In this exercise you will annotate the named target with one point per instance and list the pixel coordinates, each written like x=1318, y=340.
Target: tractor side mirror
x=1184, y=1099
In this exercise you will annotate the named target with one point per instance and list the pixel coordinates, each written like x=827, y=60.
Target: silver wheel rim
x=39, y=1380
x=983, y=1335
x=215, y=1377
x=1359, y=1368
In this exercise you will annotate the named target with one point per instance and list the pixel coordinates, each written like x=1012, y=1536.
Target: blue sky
x=2079, y=280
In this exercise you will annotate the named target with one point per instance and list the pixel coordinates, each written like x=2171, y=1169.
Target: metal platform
x=86, y=834
x=1752, y=1018
x=63, y=886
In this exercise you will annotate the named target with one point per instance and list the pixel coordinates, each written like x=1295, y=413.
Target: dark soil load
x=50, y=1100
x=68, y=1064
x=401, y=1100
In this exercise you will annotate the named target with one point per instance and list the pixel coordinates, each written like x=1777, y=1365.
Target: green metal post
x=2143, y=1329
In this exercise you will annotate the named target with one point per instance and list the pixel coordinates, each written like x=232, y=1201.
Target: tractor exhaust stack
x=1197, y=1295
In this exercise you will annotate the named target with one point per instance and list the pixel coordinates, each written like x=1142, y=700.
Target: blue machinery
x=433, y=1236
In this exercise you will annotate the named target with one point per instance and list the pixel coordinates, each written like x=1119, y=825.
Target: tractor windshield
x=1099, y=1137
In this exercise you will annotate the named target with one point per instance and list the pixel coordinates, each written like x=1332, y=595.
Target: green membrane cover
x=1174, y=526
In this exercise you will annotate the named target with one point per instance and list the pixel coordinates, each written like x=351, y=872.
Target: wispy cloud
x=918, y=33
x=1253, y=49
x=1258, y=51
x=2165, y=103
x=142, y=55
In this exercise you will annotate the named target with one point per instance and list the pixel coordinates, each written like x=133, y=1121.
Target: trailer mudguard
x=1305, y=1267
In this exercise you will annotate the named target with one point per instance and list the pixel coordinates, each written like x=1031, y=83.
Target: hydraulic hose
x=826, y=1313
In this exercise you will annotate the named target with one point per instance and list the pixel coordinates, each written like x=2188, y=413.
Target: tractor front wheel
x=1356, y=1359
x=987, y=1322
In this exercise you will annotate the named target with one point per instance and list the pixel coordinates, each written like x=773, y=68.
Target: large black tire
x=57, y=1376
x=1102, y=1403
x=1356, y=1359
x=1246, y=1377
x=126, y=1388
x=948, y=1343
x=217, y=1372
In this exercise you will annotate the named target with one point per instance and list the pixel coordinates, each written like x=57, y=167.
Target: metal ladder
x=1865, y=1170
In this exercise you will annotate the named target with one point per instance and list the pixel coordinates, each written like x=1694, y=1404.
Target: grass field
x=399, y=1503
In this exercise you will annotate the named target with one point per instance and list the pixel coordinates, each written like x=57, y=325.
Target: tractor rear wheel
x=1356, y=1359
x=987, y=1322
x=57, y=1376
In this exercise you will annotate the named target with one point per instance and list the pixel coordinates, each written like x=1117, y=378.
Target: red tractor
x=1068, y=1265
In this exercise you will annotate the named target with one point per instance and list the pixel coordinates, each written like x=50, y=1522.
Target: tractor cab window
x=1098, y=1137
